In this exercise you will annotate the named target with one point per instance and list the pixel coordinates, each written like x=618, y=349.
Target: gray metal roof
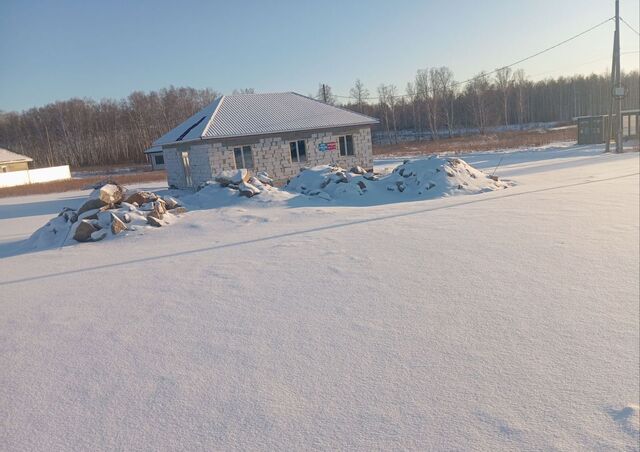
x=239, y=115
x=6, y=156
x=153, y=150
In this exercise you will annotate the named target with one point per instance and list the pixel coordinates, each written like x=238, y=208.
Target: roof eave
x=373, y=122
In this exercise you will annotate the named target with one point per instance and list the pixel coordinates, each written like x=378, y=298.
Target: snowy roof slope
x=256, y=114
x=6, y=156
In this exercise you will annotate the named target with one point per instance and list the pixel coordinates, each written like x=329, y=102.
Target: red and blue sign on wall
x=330, y=146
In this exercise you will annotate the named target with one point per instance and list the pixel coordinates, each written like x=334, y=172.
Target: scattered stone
x=341, y=177
x=153, y=221
x=401, y=186
x=248, y=190
x=170, y=203
x=98, y=235
x=177, y=210
x=370, y=176
x=83, y=231
x=263, y=177
x=141, y=197
x=357, y=170
x=111, y=194
x=126, y=205
x=362, y=185
x=91, y=204
x=155, y=214
x=89, y=215
x=123, y=216
x=493, y=178
x=117, y=225
x=236, y=177
x=69, y=215
x=159, y=206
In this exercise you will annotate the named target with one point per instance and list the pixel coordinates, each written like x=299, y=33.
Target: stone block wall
x=271, y=154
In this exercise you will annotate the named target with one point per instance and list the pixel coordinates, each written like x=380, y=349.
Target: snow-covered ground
x=500, y=320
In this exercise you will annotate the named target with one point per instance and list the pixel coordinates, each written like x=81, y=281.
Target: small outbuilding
x=594, y=129
x=156, y=157
x=11, y=161
x=278, y=133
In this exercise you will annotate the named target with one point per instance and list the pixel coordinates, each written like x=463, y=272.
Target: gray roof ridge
x=220, y=99
x=335, y=106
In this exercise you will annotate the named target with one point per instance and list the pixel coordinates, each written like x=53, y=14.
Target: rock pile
x=242, y=181
x=110, y=210
x=419, y=179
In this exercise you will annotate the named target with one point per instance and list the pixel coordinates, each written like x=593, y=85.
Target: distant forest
x=85, y=132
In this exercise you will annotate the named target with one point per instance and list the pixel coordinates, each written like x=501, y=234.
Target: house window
x=298, y=151
x=346, y=145
x=159, y=159
x=244, y=158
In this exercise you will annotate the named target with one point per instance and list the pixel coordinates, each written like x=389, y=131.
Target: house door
x=186, y=167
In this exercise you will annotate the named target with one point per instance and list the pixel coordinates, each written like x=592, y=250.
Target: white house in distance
x=277, y=132
x=11, y=161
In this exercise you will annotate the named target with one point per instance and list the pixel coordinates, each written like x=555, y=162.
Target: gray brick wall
x=270, y=154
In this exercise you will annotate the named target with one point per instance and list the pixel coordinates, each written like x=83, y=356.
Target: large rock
x=111, y=194
x=170, y=202
x=153, y=221
x=123, y=216
x=141, y=197
x=160, y=205
x=83, y=231
x=357, y=170
x=91, y=204
x=117, y=225
x=235, y=177
x=98, y=235
x=157, y=211
x=263, y=177
x=69, y=215
x=248, y=190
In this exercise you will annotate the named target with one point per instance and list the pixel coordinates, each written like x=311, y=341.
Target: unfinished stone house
x=277, y=132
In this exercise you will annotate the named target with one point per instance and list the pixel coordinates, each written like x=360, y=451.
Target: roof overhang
x=270, y=134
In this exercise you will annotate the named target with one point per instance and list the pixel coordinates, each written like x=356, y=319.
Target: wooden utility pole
x=324, y=93
x=617, y=90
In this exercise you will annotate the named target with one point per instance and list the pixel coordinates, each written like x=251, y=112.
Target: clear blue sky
x=54, y=50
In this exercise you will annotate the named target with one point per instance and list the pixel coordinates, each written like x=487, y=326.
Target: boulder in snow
x=248, y=190
x=235, y=177
x=91, y=204
x=111, y=194
x=141, y=197
x=170, y=202
x=117, y=225
x=153, y=221
x=83, y=231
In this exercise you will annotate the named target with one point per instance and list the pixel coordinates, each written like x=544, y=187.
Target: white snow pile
x=109, y=211
x=432, y=177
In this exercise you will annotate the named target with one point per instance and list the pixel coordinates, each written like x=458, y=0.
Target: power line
x=504, y=67
x=630, y=27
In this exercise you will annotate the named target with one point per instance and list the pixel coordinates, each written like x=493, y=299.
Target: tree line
x=434, y=105
x=85, y=132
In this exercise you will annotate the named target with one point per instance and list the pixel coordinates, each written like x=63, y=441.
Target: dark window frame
x=347, y=148
x=156, y=157
x=298, y=151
